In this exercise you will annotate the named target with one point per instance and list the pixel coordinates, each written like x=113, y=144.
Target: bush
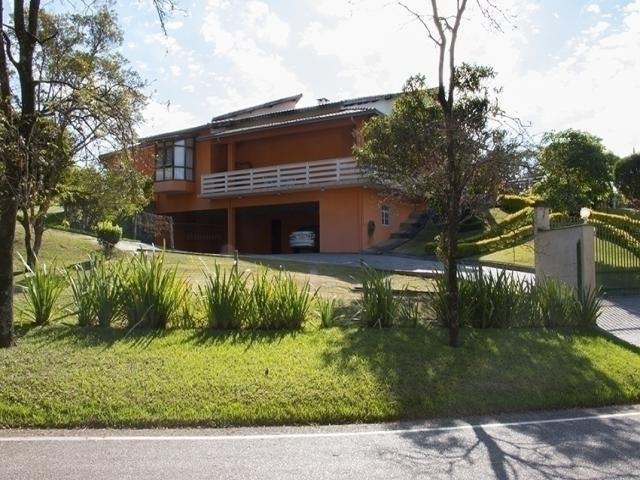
x=278, y=302
x=504, y=301
x=326, y=309
x=515, y=237
x=108, y=236
x=627, y=223
x=154, y=295
x=515, y=203
x=42, y=289
x=378, y=305
x=225, y=299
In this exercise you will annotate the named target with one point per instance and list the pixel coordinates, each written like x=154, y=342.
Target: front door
x=276, y=236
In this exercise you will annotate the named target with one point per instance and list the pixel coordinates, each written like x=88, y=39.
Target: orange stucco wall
x=294, y=147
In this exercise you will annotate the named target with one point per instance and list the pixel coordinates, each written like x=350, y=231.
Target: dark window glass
x=175, y=160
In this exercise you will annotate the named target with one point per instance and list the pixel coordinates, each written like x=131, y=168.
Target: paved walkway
x=401, y=265
x=621, y=317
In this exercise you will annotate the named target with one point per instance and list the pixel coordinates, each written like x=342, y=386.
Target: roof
x=273, y=104
x=352, y=112
x=283, y=114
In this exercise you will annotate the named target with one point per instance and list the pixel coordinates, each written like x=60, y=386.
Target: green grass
x=70, y=377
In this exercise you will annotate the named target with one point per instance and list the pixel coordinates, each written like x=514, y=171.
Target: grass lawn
x=69, y=377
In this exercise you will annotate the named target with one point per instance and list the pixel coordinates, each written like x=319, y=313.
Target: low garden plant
x=226, y=299
x=378, y=305
x=108, y=236
x=43, y=286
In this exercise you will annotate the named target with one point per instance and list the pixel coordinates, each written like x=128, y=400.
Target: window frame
x=166, y=168
x=385, y=214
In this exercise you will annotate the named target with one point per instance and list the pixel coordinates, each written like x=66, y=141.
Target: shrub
x=154, y=295
x=618, y=236
x=504, y=301
x=97, y=292
x=326, y=312
x=378, y=305
x=42, y=289
x=108, y=235
x=519, y=235
x=278, y=302
x=627, y=223
x=515, y=203
x=225, y=299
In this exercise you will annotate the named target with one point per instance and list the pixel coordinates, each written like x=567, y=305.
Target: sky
x=560, y=63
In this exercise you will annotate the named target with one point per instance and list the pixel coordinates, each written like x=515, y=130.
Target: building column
x=231, y=156
x=231, y=229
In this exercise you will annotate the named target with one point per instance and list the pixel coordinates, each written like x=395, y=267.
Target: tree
x=627, y=176
x=459, y=147
x=47, y=76
x=113, y=193
x=575, y=171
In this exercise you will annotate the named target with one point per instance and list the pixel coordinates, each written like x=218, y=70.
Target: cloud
x=593, y=8
x=160, y=117
x=251, y=37
x=593, y=88
x=174, y=25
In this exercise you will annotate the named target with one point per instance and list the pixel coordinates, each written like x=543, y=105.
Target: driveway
x=402, y=265
x=621, y=318
x=580, y=444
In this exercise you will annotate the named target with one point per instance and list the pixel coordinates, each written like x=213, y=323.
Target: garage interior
x=202, y=232
x=266, y=229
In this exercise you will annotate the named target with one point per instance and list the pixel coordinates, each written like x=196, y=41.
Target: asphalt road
x=579, y=444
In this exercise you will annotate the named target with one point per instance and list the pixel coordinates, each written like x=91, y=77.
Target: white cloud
x=161, y=117
x=174, y=25
x=593, y=88
x=593, y=8
x=250, y=37
x=175, y=70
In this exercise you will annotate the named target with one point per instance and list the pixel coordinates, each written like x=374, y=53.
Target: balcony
x=338, y=172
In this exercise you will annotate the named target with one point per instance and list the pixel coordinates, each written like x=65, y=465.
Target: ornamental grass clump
x=327, y=311
x=378, y=305
x=279, y=303
x=153, y=294
x=225, y=299
x=42, y=289
x=97, y=292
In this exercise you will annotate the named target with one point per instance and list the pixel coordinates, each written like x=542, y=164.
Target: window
x=386, y=216
x=175, y=159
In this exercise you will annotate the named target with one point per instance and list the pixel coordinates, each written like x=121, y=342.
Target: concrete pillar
x=231, y=156
x=231, y=230
x=567, y=254
x=541, y=219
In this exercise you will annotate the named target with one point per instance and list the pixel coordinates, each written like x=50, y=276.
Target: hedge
x=618, y=236
x=515, y=203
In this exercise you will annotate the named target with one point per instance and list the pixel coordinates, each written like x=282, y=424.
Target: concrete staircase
x=408, y=229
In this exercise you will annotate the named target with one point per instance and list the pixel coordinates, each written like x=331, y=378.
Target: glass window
x=386, y=216
x=175, y=160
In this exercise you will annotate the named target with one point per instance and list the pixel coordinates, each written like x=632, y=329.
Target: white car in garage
x=304, y=238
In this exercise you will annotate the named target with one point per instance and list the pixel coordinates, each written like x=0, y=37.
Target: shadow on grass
x=499, y=371
x=494, y=371
x=206, y=337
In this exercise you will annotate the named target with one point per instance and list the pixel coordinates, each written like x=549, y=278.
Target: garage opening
x=266, y=229
x=204, y=231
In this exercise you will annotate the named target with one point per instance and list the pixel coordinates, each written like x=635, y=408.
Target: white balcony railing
x=287, y=177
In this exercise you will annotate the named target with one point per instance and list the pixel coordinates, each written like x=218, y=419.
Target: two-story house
x=249, y=178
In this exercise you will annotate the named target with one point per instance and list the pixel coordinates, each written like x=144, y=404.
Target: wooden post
x=171, y=242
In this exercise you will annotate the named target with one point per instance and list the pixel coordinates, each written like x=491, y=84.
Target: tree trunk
x=28, y=245
x=7, y=235
x=451, y=267
x=38, y=231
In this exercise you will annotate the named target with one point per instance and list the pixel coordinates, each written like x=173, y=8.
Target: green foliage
x=278, y=302
x=115, y=193
x=504, y=301
x=627, y=176
x=326, y=308
x=225, y=299
x=515, y=203
x=108, y=235
x=378, y=304
x=617, y=236
x=42, y=289
x=154, y=295
x=576, y=171
x=622, y=221
x=97, y=292
x=492, y=244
